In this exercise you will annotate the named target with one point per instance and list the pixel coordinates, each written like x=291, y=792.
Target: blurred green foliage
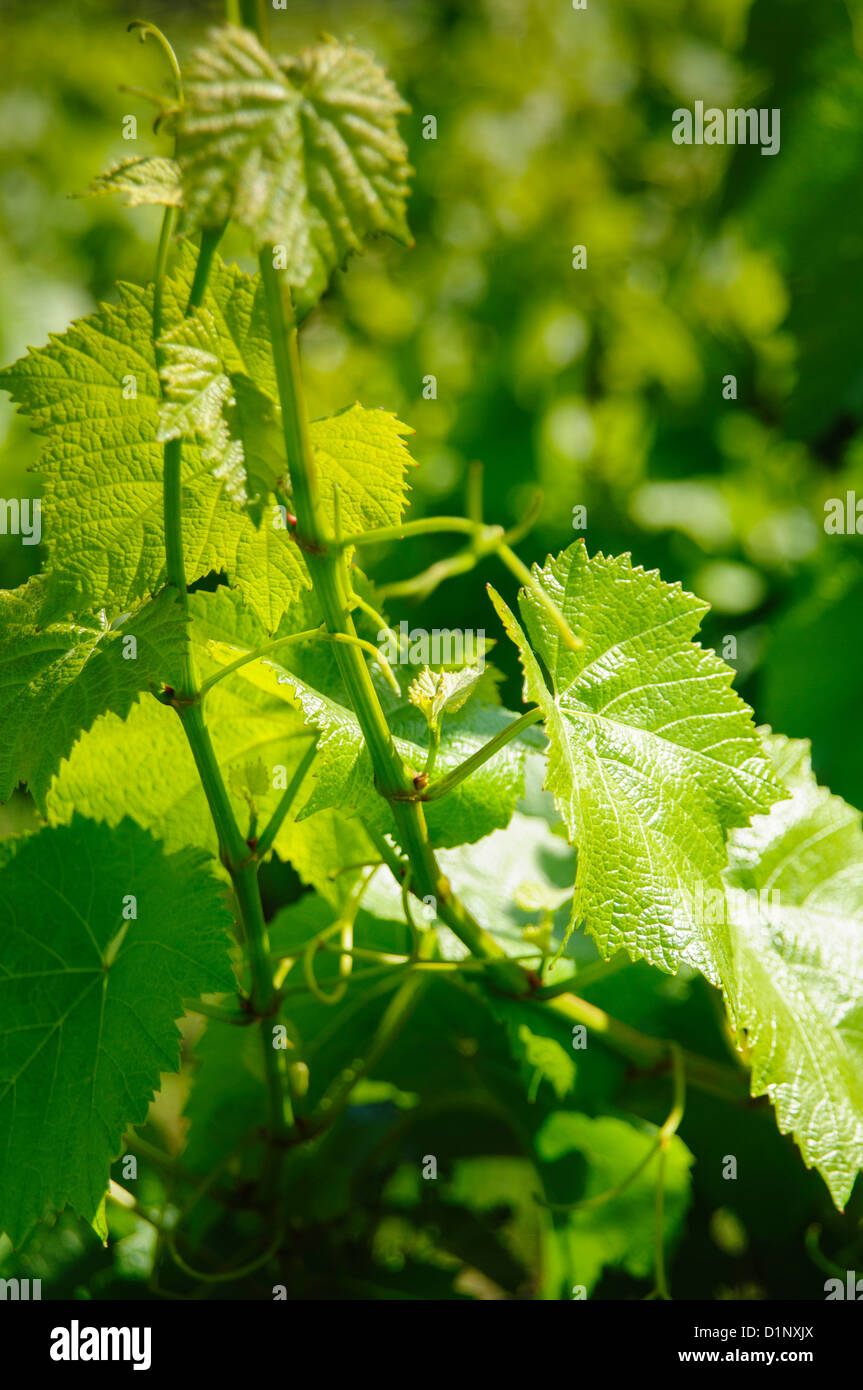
x=602, y=386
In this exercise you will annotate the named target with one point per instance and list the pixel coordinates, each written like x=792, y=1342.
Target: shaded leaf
x=88, y=999
x=619, y=1232
x=59, y=673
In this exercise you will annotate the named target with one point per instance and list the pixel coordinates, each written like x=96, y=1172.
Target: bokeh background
x=602, y=387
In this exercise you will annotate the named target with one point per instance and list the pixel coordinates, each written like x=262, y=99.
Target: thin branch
x=289, y=796
x=482, y=755
x=521, y=572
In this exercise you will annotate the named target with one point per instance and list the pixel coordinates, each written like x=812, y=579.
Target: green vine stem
x=424, y=526
x=144, y=28
x=649, y=1052
x=265, y=650
x=233, y=848
x=485, y=540
x=324, y=563
x=169, y=223
x=395, y=1016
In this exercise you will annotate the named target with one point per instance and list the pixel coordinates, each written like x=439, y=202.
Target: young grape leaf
x=58, y=673
x=361, y=454
x=195, y=382
x=542, y=1059
x=268, y=570
x=435, y=692
x=255, y=463
x=94, y=393
x=313, y=666
x=150, y=179
x=481, y=803
x=303, y=152
x=796, y=990
x=653, y=756
x=103, y=938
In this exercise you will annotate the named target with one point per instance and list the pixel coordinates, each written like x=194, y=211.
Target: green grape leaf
x=94, y=393
x=795, y=910
x=59, y=673
x=103, y=938
x=250, y=780
x=303, y=152
x=653, y=757
x=150, y=179
x=236, y=423
x=196, y=384
x=256, y=463
x=481, y=803
x=619, y=1232
x=360, y=454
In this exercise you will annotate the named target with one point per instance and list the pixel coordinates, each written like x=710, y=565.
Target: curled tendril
x=145, y=27
x=311, y=950
x=817, y=1256
x=223, y=1276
